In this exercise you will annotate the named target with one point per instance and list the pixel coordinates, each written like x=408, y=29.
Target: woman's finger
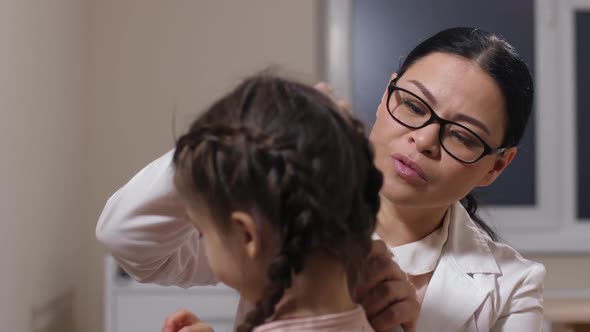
x=327, y=90
x=403, y=313
x=344, y=105
x=379, y=248
x=385, y=293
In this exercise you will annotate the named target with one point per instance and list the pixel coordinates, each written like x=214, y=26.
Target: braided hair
x=286, y=151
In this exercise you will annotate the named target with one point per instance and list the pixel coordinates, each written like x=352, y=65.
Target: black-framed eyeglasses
x=457, y=140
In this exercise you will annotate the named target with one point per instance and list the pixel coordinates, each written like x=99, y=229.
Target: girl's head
x=464, y=75
x=273, y=173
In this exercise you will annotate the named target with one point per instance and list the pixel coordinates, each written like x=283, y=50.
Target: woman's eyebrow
x=424, y=91
x=471, y=120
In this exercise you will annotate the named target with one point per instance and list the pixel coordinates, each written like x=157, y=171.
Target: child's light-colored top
x=349, y=321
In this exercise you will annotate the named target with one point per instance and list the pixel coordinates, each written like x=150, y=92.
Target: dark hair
x=285, y=151
x=499, y=60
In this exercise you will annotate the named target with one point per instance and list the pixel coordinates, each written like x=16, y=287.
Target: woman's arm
x=526, y=309
x=144, y=226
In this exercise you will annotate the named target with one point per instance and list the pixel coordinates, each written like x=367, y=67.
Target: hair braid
x=299, y=210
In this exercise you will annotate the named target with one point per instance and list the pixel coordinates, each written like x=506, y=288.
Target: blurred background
x=93, y=90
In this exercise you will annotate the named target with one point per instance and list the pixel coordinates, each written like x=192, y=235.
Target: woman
x=449, y=120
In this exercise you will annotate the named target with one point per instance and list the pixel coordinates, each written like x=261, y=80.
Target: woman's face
x=417, y=171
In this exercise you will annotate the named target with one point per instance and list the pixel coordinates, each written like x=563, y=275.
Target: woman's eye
x=464, y=139
x=414, y=108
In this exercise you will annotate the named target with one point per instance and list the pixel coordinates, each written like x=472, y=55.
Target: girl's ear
x=247, y=233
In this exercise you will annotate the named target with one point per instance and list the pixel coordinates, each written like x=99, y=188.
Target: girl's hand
x=184, y=321
x=385, y=293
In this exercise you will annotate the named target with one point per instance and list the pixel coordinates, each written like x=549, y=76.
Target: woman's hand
x=326, y=89
x=184, y=321
x=385, y=293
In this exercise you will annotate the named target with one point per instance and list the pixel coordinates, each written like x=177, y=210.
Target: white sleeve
x=144, y=226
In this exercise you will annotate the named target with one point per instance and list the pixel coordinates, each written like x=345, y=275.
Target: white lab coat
x=481, y=285
x=478, y=284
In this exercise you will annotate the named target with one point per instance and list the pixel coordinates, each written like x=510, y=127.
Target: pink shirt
x=349, y=321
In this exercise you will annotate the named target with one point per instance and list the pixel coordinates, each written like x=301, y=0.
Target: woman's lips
x=408, y=170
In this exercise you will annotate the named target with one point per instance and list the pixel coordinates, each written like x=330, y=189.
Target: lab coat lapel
x=451, y=298
x=453, y=295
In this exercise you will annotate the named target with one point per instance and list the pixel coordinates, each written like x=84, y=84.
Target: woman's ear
x=503, y=160
x=247, y=233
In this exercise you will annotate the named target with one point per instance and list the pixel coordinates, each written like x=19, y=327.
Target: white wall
x=41, y=140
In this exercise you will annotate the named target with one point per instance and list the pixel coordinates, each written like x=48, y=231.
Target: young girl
x=282, y=188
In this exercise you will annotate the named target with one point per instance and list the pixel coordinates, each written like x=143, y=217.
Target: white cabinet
x=131, y=306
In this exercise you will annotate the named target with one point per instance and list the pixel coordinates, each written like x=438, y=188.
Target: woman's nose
x=426, y=140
